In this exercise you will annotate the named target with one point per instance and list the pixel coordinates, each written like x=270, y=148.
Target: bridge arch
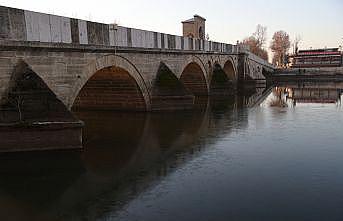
x=248, y=72
x=230, y=70
x=193, y=59
x=110, y=82
x=166, y=82
x=168, y=92
x=194, y=79
x=221, y=84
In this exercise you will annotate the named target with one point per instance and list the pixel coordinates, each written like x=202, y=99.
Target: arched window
x=201, y=33
x=190, y=35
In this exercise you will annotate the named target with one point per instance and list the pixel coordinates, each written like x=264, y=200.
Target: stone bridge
x=105, y=66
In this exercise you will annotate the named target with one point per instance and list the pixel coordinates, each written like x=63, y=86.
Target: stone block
x=32, y=25
x=171, y=41
x=44, y=28
x=162, y=41
x=129, y=37
x=56, y=54
x=95, y=33
x=178, y=42
x=196, y=44
x=191, y=43
x=36, y=53
x=66, y=30
x=186, y=43
x=106, y=34
x=55, y=26
x=165, y=36
x=19, y=54
x=74, y=24
x=137, y=38
x=5, y=62
x=17, y=24
x=76, y=60
x=83, y=37
x=112, y=35
x=159, y=44
x=4, y=23
x=149, y=39
x=7, y=54
x=121, y=37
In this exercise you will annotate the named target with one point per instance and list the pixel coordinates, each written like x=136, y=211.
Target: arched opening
x=221, y=85
x=194, y=80
x=190, y=35
x=111, y=88
x=201, y=33
x=230, y=71
x=169, y=93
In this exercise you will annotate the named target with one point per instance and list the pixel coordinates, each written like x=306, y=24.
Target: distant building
x=194, y=27
x=328, y=57
x=314, y=95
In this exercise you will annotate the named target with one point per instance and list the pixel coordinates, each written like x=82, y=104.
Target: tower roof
x=198, y=16
x=191, y=20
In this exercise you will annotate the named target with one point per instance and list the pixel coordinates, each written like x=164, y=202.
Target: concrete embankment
x=37, y=136
x=307, y=74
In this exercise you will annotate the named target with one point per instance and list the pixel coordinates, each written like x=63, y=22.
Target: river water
x=276, y=155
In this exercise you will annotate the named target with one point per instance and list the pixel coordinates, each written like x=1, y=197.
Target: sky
x=319, y=23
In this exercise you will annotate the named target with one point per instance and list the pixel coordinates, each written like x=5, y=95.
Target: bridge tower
x=194, y=27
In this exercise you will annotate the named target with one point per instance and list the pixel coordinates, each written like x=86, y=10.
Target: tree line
x=279, y=45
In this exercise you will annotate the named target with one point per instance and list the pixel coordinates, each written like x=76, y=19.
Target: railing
x=39, y=27
x=260, y=60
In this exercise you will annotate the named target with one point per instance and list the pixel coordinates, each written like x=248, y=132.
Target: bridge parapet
x=261, y=61
x=23, y=25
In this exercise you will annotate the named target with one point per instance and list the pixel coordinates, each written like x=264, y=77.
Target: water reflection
x=124, y=153
x=293, y=94
x=127, y=155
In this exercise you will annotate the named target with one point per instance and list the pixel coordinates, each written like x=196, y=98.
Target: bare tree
x=296, y=43
x=261, y=35
x=254, y=47
x=257, y=41
x=280, y=46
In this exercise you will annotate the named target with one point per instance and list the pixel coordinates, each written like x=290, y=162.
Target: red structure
x=328, y=57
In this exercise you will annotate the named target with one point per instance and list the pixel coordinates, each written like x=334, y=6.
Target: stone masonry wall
x=23, y=25
x=66, y=72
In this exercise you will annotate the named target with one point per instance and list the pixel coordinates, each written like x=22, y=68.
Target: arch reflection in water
x=124, y=155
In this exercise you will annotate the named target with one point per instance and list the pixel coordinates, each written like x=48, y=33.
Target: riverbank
x=307, y=74
x=40, y=135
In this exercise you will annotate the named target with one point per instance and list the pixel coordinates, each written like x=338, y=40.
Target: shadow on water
x=124, y=154
x=31, y=182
